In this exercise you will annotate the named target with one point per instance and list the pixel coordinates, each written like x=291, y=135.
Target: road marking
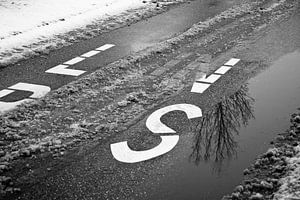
x=211, y=79
x=41, y=90
x=232, y=62
x=222, y=70
x=37, y=90
x=199, y=87
x=74, y=61
x=7, y=106
x=5, y=92
x=123, y=153
x=90, y=54
x=105, y=47
x=154, y=124
x=207, y=81
x=62, y=69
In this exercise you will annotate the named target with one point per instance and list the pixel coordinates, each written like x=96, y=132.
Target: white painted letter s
x=123, y=153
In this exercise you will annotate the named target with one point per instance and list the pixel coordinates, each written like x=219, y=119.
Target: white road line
x=222, y=70
x=74, y=61
x=5, y=92
x=90, y=54
x=105, y=47
x=154, y=124
x=211, y=79
x=232, y=62
x=38, y=90
x=6, y=106
x=123, y=153
x=62, y=69
x=199, y=87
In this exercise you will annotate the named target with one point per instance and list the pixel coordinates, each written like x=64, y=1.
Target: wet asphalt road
x=182, y=173
x=127, y=40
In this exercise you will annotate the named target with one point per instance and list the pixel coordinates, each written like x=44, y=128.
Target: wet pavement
x=127, y=40
x=232, y=133
x=240, y=118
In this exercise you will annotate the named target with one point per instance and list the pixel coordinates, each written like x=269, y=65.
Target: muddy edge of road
x=96, y=107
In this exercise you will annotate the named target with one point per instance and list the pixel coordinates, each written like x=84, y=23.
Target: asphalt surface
x=91, y=171
x=127, y=40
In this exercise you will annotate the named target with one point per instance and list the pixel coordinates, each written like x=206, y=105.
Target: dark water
x=235, y=131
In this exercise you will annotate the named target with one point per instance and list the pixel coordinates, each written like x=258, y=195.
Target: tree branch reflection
x=214, y=137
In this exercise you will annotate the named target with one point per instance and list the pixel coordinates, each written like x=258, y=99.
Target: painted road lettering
x=232, y=62
x=204, y=82
x=154, y=124
x=37, y=90
x=123, y=153
x=62, y=69
x=41, y=90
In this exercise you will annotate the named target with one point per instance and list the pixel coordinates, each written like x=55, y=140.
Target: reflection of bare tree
x=215, y=133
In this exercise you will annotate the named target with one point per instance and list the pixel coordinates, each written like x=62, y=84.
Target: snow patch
x=290, y=185
x=26, y=22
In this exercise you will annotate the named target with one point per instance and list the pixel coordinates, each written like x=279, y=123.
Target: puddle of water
x=177, y=20
x=223, y=147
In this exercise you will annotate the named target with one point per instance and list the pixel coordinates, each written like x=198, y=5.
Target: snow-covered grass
x=27, y=22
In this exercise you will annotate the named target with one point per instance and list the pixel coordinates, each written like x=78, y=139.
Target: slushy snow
x=27, y=22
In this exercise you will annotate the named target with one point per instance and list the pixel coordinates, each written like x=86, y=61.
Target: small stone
x=2, y=153
x=266, y=185
x=57, y=142
x=297, y=119
x=123, y=103
x=4, y=179
x=14, y=124
x=271, y=152
x=34, y=148
x=239, y=188
x=25, y=152
x=235, y=195
x=76, y=111
x=3, y=167
x=256, y=196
